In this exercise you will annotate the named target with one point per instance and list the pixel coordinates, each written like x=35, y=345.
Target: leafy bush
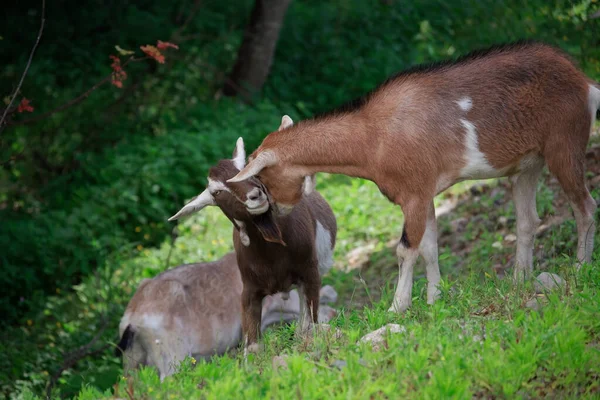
x=104, y=176
x=120, y=196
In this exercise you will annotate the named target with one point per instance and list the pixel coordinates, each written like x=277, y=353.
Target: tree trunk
x=258, y=47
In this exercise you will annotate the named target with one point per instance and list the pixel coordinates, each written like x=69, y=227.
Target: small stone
x=497, y=245
x=339, y=364
x=326, y=329
x=326, y=314
x=533, y=304
x=279, y=362
x=459, y=224
x=510, y=238
x=502, y=220
x=377, y=337
x=328, y=295
x=547, y=281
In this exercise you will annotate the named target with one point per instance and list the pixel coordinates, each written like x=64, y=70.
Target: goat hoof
x=255, y=348
x=399, y=308
x=432, y=295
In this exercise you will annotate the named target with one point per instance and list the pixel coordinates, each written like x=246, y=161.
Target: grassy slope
x=479, y=340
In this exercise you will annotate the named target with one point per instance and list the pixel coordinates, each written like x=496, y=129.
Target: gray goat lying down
x=195, y=310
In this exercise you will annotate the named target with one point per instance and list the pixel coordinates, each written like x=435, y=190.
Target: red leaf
x=119, y=74
x=154, y=53
x=24, y=106
x=165, y=45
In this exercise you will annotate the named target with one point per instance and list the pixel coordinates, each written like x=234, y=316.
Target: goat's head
x=242, y=202
x=286, y=184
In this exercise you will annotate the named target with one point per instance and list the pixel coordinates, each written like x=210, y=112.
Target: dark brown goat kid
x=273, y=252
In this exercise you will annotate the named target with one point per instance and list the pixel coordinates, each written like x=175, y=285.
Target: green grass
x=477, y=341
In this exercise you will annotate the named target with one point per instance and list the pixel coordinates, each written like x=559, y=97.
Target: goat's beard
x=266, y=224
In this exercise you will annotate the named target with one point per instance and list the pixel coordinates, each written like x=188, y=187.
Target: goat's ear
x=286, y=122
x=264, y=159
x=198, y=203
x=268, y=228
x=239, y=154
x=309, y=184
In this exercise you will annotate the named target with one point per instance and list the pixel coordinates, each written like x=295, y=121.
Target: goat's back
x=192, y=309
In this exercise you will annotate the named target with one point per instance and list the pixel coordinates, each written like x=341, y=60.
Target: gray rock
x=339, y=364
x=533, y=304
x=377, y=337
x=279, y=362
x=547, y=281
x=328, y=295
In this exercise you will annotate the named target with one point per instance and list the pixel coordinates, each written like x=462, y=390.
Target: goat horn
x=286, y=122
x=264, y=159
x=198, y=203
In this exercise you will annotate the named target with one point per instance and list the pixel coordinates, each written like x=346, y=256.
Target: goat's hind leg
x=524, y=186
x=569, y=169
x=429, y=250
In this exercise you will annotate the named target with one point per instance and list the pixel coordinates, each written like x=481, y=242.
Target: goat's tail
x=126, y=341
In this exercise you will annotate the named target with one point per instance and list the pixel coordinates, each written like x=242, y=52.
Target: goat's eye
x=216, y=192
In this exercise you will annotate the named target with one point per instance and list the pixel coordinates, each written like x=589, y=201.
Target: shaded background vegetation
x=88, y=188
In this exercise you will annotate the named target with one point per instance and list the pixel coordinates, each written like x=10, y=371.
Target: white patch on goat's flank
x=594, y=102
x=465, y=103
x=153, y=321
x=477, y=166
x=214, y=186
x=324, y=249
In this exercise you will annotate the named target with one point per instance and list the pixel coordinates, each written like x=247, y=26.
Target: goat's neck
x=341, y=144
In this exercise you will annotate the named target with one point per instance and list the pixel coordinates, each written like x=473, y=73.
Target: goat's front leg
x=524, y=188
x=251, y=316
x=415, y=218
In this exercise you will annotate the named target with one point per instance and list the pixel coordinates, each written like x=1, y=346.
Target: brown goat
x=273, y=252
x=505, y=111
x=195, y=310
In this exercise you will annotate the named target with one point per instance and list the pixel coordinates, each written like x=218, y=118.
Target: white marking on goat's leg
x=246, y=348
x=465, y=103
x=524, y=193
x=305, y=316
x=429, y=250
x=406, y=262
x=586, y=229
